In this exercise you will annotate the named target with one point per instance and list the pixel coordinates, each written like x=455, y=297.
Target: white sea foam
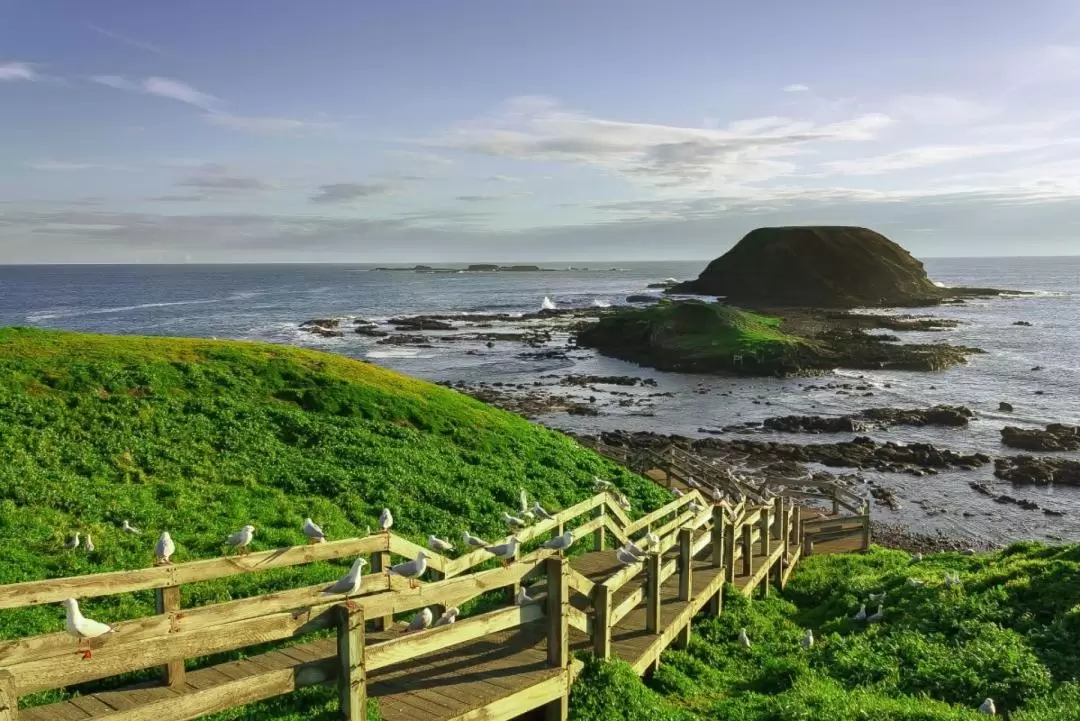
x=53, y=314
x=597, y=303
x=548, y=304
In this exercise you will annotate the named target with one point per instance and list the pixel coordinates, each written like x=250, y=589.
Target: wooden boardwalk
x=493, y=666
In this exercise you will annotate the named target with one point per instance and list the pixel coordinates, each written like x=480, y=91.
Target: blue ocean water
x=267, y=302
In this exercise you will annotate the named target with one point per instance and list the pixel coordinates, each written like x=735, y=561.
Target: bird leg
x=413, y=583
x=351, y=605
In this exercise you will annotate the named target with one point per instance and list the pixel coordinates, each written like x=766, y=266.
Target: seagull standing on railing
x=717, y=495
x=312, y=532
x=73, y=543
x=692, y=483
x=386, y=520
x=241, y=540
x=541, y=512
x=522, y=597
x=164, y=549
x=437, y=544
x=505, y=551
x=677, y=493
x=473, y=541
x=625, y=557
x=420, y=621
x=347, y=585
x=634, y=549
x=126, y=527
x=695, y=506
x=82, y=628
x=411, y=570
x=513, y=521
x=561, y=543
x=449, y=617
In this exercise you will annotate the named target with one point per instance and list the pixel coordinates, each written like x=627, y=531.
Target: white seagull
x=695, y=506
x=634, y=549
x=877, y=597
x=861, y=615
x=164, y=549
x=952, y=578
x=73, y=543
x=312, y=531
x=348, y=584
x=437, y=544
x=626, y=557
x=242, y=538
x=448, y=617
x=807, y=639
x=692, y=483
x=513, y=521
x=561, y=543
x=473, y=541
x=89, y=545
x=601, y=485
x=651, y=539
x=624, y=503
x=987, y=707
x=82, y=628
x=677, y=492
x=386, y=519
x=505, y=552
x=916, y=582
x=877, y=615
x=126, y=527
x=743, y=638
x=411, y=570
x=522, y=598
x=420, y=621
x=523, y=499
x=541, y=512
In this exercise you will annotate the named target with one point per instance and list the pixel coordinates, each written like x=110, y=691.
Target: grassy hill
x=1011, y=631
x=200, y=437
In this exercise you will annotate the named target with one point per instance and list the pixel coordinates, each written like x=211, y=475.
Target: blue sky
x=510, y=130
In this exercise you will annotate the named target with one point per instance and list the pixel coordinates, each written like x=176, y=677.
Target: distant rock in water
x=816, y=266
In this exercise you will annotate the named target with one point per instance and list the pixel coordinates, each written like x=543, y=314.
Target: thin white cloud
x=349, y=192
x=179, y=198
x=66, y=166
x=129, y=41
x=505, y=178
x=215, y=177
x=114, y=81
x=936, y=155
x=14, y=71
x=177, y=90
x=796, y=88
x=939, y=110
x=263, y=124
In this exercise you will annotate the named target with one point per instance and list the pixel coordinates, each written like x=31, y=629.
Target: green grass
x=200, y=437
x=1011, y=632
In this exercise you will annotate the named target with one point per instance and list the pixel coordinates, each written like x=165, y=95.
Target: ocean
x=268, y=302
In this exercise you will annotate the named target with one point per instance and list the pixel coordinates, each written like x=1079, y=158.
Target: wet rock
x=981, y=488
x=324, y=327
x=1056, y=437
x=414, y=340
x=1022, y=322
x=640, y=298
x=1005, y=407
x=585, y=380
x=420, y=322
x=371, y=332
x=1030, y=470
x=948, y=416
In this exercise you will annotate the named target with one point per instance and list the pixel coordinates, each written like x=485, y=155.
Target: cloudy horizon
x=492, y=131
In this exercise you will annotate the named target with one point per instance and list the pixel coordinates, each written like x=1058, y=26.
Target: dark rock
x=1022, y=322
x=1005, y=407
x=416, y=340
x=641, y=299
x=1056, y=437
x=1038, y=471
x=372, y=332
x=420, y=322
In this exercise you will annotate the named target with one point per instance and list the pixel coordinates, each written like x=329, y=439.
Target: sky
x=509, y=130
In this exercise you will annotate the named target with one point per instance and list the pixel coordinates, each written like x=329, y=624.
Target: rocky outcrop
x=1038, y=471
x=816, y=266
x=948, y=416
x=1056, y=437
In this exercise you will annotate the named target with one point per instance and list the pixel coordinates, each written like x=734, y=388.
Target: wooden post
x=168, y=599
x=766, y=532
x=352, y=676
x=729, y=553
x=779, y=516
x=785, y=527
x=747, y=550
x=9, y=702
x=719, y=520
x=682, y=639
x=798, y=525
x=600, y=533
x=716, y=603
x=835, y=503
x=602, y=621
x=652, y=593
x=380, y=563
x=558, y=599
x=866, y=533
x=686, y=564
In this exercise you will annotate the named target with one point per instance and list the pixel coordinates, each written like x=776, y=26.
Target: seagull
x=717, y=495
x=126, y=527
x=626, y=557
x=624, y=503
x=916, y=582
x=505, y=551
x=877, y=597
x=73, y=543
x=524, y=501
x=634, y=549
x=952, y=578
x=242, y=538
x=82, y=628
x=448, y=617
x=411, y=570
x=474, y=541
x=692, y=483
x=561, y=543
x=541, y=512
x=529, y=516
x=347, y=585
x=877, y=615
x=743, y=638
x=807, y=639
x=601, y=485
x=677, y=493
x=437, y=544
x=861, y=615
x=651, y=539
x=420, y=621
x=987, y=707
x=164, y=549
x=695, y=506
x=522, y=598
x=313, y=532
x=386, y=519
x=513, y=521
x=89, y=545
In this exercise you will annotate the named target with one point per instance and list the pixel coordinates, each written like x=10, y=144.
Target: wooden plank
x=380, y=564
x=719, y=523
x=613, y=509
x=794, y=557
x=419, y=643
x=352, y=673
x=729, y=552
x=558, y=601
x=599, y=534
x=747, y=549
x=9, y=700
x=766, y=532
x=577, y=619
x=686, y=564
x=603, y=621
x=652, y=593
x=666, y=510
x=627, y=605
x=54, y=590
x=516, y=704
x=167, y=601
x=581, y=584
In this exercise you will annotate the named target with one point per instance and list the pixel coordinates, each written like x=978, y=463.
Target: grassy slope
x=201, y=437
x=1011, y=632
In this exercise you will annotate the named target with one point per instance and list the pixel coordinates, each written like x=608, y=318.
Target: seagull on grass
x=312, y=532
x=73, y=543
x=541, y=512
x=601, y=485
x=126, y=527
x=878, y=615
x=89, y=545
x=861, y=615
x=952, y=578
x=877, y=597
x=744, y=640
x=164, y=549
x=808, y=639
x=411, y=570
x=82, y=628
x=987, y=707
x=420, y=621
